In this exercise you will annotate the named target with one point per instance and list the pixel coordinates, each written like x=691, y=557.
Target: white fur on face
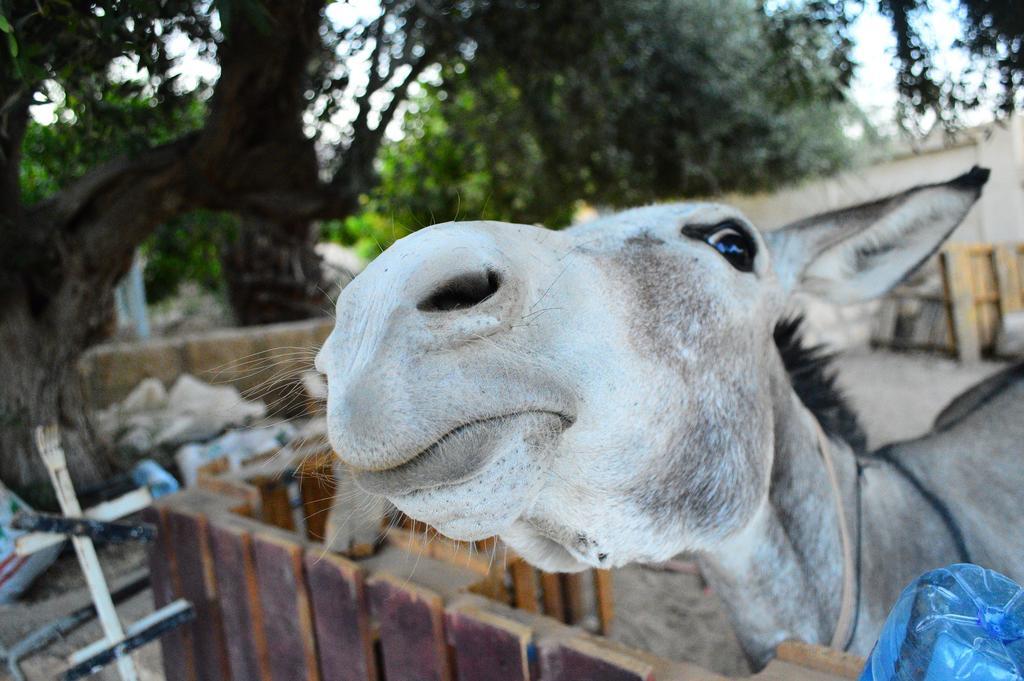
x=616, y=368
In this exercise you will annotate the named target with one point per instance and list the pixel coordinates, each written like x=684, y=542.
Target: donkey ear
x=858, y=253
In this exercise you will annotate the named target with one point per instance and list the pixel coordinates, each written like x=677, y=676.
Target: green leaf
x=12, y=44
x=5, y=25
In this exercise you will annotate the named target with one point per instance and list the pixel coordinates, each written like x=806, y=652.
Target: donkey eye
x=734, y=244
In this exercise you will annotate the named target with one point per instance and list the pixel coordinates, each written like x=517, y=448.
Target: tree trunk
x=39, y=385
x=273, y=272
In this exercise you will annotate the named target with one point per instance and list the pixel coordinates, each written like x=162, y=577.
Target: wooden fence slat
x=963, y=313
x=572, y=591
x=488, y=647
x=604, y=595
x=411, y=622
x=554, y=605
x=524, y=585
x=317, y=487
x=1008, y=278
x=287, y=621
x=340, y=617
x=175, y=645
x=194, y=564
x=275, y=508
x=580, y=660
x=238, y=594
x=986, y=296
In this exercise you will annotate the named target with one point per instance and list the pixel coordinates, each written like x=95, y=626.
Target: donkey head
x=603, y=394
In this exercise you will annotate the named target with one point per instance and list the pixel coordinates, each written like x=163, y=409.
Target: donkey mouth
x=463, y=452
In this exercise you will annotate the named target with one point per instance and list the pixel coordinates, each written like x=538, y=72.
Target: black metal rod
x=97, y=530
x=114, y=652
x=50, y=632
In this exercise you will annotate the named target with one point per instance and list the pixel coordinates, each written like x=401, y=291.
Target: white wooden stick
x=108, y=511
x=48, y=442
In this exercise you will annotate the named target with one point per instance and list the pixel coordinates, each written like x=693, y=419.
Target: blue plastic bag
x=148, y=473
x=959, y=622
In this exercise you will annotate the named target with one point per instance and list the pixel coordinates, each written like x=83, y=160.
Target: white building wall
x=999, y=216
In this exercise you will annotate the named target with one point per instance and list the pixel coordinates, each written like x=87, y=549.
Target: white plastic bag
x=235, y=445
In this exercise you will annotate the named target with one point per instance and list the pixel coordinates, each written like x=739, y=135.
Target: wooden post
x=605, y=600
x=956, y=265
x=275, y=507
x=554, y=606
x=572, y=593
x=317, y=489
x=524, y=585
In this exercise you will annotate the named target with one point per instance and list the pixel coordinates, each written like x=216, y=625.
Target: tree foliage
x=676, y=98
x=991, y=37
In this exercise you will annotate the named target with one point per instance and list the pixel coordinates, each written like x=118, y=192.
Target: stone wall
x=253, y=359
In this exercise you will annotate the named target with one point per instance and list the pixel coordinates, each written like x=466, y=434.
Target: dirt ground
x=62, y=590
x=667, y=613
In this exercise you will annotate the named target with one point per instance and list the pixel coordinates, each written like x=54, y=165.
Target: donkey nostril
x=461, y=292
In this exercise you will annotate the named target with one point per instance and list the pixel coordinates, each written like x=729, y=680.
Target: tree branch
x=356, y=174
x=360, y=124
x=65, y=206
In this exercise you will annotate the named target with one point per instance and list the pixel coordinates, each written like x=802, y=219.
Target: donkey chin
x=478, y=479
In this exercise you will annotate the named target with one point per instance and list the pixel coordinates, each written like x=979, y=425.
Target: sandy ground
x=668, y=613
x=897, y=397
x=62, y=590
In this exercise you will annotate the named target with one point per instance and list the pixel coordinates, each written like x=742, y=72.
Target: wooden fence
x=266, y=487
x=274, y=605
x=980, y=285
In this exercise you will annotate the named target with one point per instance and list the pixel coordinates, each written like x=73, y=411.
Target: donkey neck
x=781, y=575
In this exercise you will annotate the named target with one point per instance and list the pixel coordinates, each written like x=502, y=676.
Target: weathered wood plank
x=411, y=622
x=780, y=670
x=572, y=593
x=488, y=647
x=963, y=313
x=287, y=615
x=317, y=487
x=341, y=618
x=175, y=645
x=1004, y=259
x=819, y=658
x=579, y=659
x=554, y=604
x=605, y=596
x=194, y=564
x=238, y=594
x=524, y=585
x=275, y=509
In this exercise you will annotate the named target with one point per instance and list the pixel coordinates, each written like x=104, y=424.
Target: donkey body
x=630, y=389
